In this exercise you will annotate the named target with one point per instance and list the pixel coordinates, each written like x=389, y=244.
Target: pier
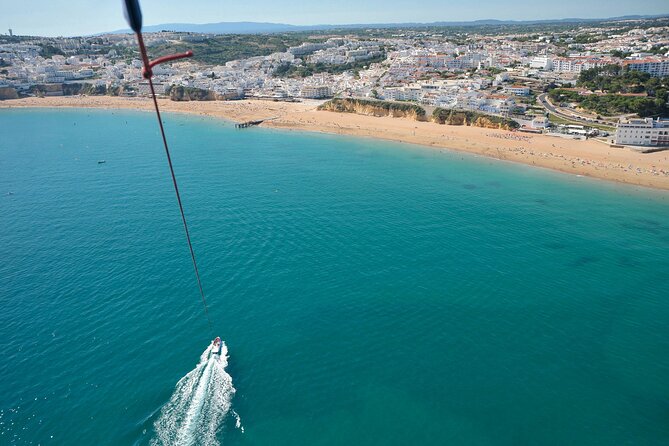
x=243, y=125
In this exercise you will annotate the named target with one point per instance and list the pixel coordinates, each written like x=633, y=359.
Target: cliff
x=180, y=93
x=8, y=93
x=374, y=108
x=474, y=119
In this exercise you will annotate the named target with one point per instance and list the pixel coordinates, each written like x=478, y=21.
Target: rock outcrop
x=474, y=119
x=374, y=108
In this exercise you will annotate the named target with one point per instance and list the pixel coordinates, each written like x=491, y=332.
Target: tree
x=620, y=54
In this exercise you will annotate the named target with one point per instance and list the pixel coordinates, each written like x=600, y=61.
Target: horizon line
x=356, y=25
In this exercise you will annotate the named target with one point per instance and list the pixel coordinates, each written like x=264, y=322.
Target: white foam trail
x=238, y=421
x=199, y=404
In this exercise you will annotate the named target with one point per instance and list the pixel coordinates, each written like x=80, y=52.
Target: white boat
x=216, y=346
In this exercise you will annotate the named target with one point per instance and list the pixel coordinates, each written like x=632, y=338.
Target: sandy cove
x=590, y=158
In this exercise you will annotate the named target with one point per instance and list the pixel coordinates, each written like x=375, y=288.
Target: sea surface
x=369, y=293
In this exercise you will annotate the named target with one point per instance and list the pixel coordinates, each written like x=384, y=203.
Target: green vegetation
x=614, y=82
x=555, y=119
x=457, y=117
x=620, y=54
x=306, y=70
x=221, y=49
x=375, y=108
x=614, y=104
x=4, y=38
x=615, y=79
x=494, y=70
x=459, y=34
x=47, y=51
x=525, y=38
x=587, y=38
x=659, y=49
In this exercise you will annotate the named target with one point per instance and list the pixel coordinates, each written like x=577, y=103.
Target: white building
x=654, y=67
x=643, y=132
x=315, y=92
x=541, y=63
x=540, y=122
x=402, y=93
x=578, y=64
x=306, y=48
x=519, y=90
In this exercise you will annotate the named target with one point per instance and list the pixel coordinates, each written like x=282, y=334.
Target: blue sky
x=80, y=17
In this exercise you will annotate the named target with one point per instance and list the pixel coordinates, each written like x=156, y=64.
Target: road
x=543, y=100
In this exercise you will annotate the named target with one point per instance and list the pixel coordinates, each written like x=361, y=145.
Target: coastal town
x=334, y=223
x=530, y=78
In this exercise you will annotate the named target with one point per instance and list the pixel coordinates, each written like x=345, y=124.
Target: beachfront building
x=540, y=122
x=643, y=132
x=315, y=91
x=412, y=93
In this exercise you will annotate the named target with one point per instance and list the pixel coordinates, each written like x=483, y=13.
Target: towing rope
x=134, y=17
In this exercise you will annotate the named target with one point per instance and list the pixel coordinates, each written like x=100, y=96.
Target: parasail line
x=134, y=17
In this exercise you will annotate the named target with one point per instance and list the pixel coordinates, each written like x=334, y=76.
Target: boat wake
x=199, y=405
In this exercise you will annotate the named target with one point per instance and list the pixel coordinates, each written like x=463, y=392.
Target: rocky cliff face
x=180, y=93
x=8, y=93
x=375, y=108
x=487, y=123
x=474, y=119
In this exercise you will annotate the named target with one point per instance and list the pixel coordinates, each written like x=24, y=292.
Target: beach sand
x=589, y=158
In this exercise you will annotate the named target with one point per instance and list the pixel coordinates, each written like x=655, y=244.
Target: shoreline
x=587, y=158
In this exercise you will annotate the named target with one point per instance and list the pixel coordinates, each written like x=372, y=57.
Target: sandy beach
x=589, y=158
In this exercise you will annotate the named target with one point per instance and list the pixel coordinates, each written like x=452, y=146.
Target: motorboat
x=216, y=346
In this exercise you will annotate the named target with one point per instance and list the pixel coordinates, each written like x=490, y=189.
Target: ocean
x=368, y=292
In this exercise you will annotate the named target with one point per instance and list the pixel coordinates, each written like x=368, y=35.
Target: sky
x=81, y=17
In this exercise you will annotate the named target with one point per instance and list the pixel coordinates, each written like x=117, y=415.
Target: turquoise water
x=368, y=292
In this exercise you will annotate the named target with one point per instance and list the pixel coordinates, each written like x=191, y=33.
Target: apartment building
x=578, y=64
x=519, y=90
x=315, y=91
x=643, y=132
x=657, y=67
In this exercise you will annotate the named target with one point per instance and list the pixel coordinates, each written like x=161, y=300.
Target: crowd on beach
x=574, y=161
x=510, y=136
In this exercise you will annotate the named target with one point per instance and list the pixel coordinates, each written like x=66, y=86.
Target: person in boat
x=216, y=346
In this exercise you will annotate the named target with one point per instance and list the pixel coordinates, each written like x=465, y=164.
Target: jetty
x=243, y=125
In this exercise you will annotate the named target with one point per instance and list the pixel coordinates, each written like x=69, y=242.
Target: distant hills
x=262, y=28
